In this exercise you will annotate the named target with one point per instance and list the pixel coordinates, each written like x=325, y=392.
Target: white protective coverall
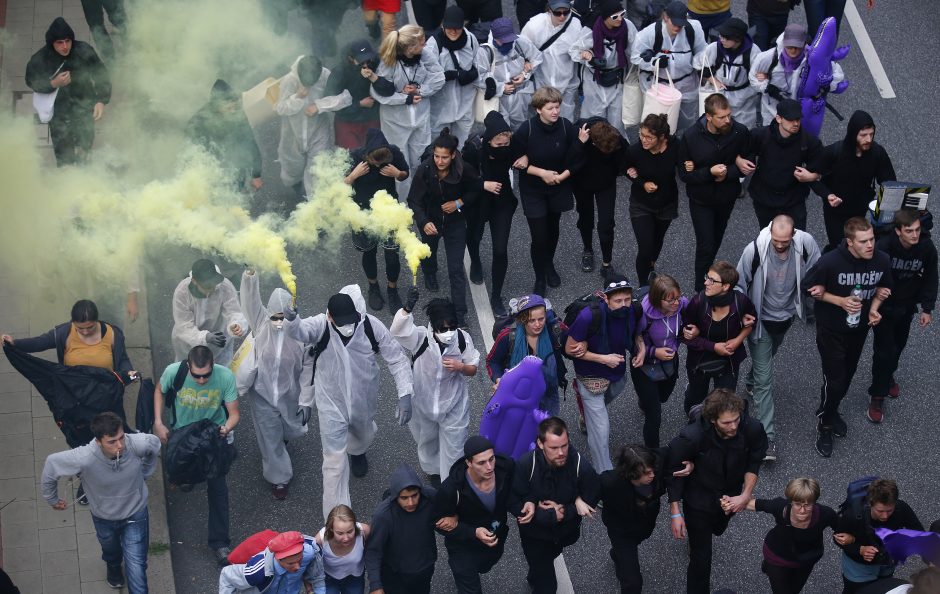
x=195, y=318
x=514, y=107
x=601, y=101
x=281, y=372
x=441, y=402
x=744, y=99
x=346, y=390
x=557, y=69
x=452, y=106
x=303, y=136
x=409, y=126
x=680, y=65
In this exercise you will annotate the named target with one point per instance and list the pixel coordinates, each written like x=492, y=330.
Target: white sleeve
x=408, y=335
x=306, y=330
x=184, y=318
x=398, y=364
x=232, y=580
x=289, y=102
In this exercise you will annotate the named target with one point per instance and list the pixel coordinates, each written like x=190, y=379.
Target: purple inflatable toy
x=816, y=76
x=512, y=416
x=904, y=543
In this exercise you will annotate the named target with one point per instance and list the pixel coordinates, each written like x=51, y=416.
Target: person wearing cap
x=354, y=76
x=671, y=44
x=552, y=488
x=553, y=32
x=346, y=384
x=602, y=340
x=710, y=13
x=401, y=550
x=458, y=52
x=727, y=62
x=783, y=159
x=408, y=75
x=476, y=495
x=442, y=358
x=292, y=563
x=380, y=17
x=79, y=79
x=515, y=60
x=272, y=383
x=776, y=72
x=534, y=331
x=602, y=53
x=206, y=312
x=490, y=154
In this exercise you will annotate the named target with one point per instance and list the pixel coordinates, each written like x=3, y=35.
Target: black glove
x=412, y=299
x=290, y=314
x=466, y=77
x=775, y=92
x=598, y=63
x=647, y=55
x=450, y=74
x=663, y=61
x=490, y=88
x=304, y=413
x=216, y=339
x=410, y=99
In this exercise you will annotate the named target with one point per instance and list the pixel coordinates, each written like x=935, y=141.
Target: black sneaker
x=771, y=455
x=359, y=465
x=376, y=301
x=587, y=261
x=430, y=282
x=394, y=300
x=824, y=440
x=651, y=277
x=496, y=303
x=221, y=556
x=553, y=279
x=80, y=497
x=839, y=427
x=115, y=576
x=476, y=273
x=539, y=288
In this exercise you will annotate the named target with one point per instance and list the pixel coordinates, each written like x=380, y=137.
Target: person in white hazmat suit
x=443, y=357
x=727, y=62
x=273, y=384
x=603, y=49
x=679, y=41
x=206, y=312
x=516, y=59
x=408, y=75
x=457, y=51
x=346, y=384
x=306, y=119
x=553, y=32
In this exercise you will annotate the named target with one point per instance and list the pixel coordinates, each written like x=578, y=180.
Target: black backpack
x=658, y=39
x=316, y=350
x=574, y=309
x=461, y=344
x=855, y=503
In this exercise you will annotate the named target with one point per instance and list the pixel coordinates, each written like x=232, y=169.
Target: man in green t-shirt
x=204, y=391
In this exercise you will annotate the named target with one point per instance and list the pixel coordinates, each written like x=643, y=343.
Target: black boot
x=375, y=299
x=496, y=303
x=539, y=287
x=553, y=279
x=394, y=300
x=476, y=273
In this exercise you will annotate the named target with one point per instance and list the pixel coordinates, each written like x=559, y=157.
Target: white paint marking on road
x=481, y=303
x=411, y=13
x=868, y=51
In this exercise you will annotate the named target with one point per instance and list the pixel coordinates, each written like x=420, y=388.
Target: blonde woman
x=343, y=542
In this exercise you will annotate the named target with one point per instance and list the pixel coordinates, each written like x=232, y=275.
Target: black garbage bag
x=143, y=419
x=197, y=452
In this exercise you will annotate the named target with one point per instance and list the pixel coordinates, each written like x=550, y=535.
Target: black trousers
x=584, y=202
x=392, y=264
x=467, y=564
x=700, y=526
x=699, y=383
x=94, y=15
x=475, y=11
x=407, y=583
x=73, y=134
x=650, y=233
x=498, y=213
x=786, y=580
x=839, y=353
x=834, y=220
x=454, y=234
x=429, y=13
x=544, y=233
x=797, y=212
x=891, y=336
x=540, y=555
x=625, y=553
x=709, y=223
x=652, y=395
x=217, y=497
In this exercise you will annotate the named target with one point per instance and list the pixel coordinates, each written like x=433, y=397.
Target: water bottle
x=853, y=319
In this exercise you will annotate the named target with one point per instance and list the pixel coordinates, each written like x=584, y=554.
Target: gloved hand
x=404, y=410
x=647, y=55
x=450, y=75
x=412, y=299
x=775, y=92
x=490, y=88
x=598, y=63
x=304, y=413
x=216, y=339
x=410, y=99
x=465, y=77
x=290, y=313
x=663, y=61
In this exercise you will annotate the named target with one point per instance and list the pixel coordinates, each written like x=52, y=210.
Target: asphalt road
x=905, y=446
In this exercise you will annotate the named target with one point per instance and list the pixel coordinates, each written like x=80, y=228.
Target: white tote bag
x=244, y=364
x=632, y=102
x=259, y=101
x=482, y=106
x=705, y=88
x=660, y=98
x=44, y=104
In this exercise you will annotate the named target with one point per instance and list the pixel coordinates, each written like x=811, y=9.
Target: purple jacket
x=696, y=312
x=658, y=330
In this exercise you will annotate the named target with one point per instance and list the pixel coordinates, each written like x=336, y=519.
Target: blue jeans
x=217, y=495
x=351, y=584
x=767, y=27
x=128, y=539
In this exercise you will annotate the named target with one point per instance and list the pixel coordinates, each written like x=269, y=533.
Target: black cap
x=206, y=274
x=453, y=18
x=361, y=51
x=616, y=282
x=342, y=309
x=733, y=28
x=678, y=13
x=610, y=7
x=476, y=444
x=789, y=109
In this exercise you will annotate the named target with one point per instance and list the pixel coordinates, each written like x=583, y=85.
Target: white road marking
x=863, y=41
x=411, y=12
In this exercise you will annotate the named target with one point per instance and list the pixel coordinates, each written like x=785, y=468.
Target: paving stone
x=88, y=546
x=53, y=584
x=19, y=466
x=101, y=587
x=83, y=522
x=15, y=423
x=61, y=563
x=13, y=445
x=92, y=569
x=19, y=512
x=50, y=517
x=20, y=535
x=57, y=539
x=17, y=488
x=27, y=581
x=13, y=382
x=43, y=428
x=20, y=559
x=16, y=402
x=39, y=407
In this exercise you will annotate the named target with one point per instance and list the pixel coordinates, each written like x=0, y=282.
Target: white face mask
x=445, y=337
x=346, y=330
x=278, y=324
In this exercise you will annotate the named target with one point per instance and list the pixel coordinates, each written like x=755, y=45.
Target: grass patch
x=158, y=547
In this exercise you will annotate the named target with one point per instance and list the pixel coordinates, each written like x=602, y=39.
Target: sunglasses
x=617, y=16
x=618, y=285
x=201, y=375
x=561, y=12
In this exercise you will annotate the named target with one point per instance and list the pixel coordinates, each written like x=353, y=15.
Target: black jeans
x=834, y=219
x=73, y=133
x=540, y=555
x=429, y=13
x=544, y=233
x=819, y=10
x=786, y=580
x=94, y=15
x=392, y=264
x=700, y=526
x=709, y=223
x=498, y=212
x=650, y=233
x=584, y=202
x=767, y=27
x=652, y=395
x=217, y=495
x=467, y=564
x=839, y=352
x=797, y=212
x=407, y=583
x=625, y=553
x=455, y=242
x=891, y=336
x=697, y=389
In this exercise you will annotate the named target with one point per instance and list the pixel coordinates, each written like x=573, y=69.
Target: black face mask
x=501, y=152
x=720, y=300
x=620, y=313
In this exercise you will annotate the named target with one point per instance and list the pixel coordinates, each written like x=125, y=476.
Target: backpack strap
x=658, y=39
x=532, y=471
x=370, y=333
x=554, y=38
x=461, y=341
x=755, y=263
x=169, y=399
x=317, y=350
x=420, y=351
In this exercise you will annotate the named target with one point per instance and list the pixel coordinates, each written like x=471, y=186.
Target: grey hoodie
x=115, y=488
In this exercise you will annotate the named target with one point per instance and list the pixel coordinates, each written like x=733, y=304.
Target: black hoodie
x=493, y=164
x=226, y=134
x=773, y=184
x=90, y=81
x=853, y=178
x=429, y=192
x=365, y=187
x=401, y=542
x=627, y=510
x=706, y=150
x=839, y=271
x=913, y=270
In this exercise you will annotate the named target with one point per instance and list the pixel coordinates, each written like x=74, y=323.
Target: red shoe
x=876, y=409
x=895, y=390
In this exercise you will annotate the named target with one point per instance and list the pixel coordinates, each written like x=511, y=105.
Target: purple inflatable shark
x=816, y=76
x=512, y=416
